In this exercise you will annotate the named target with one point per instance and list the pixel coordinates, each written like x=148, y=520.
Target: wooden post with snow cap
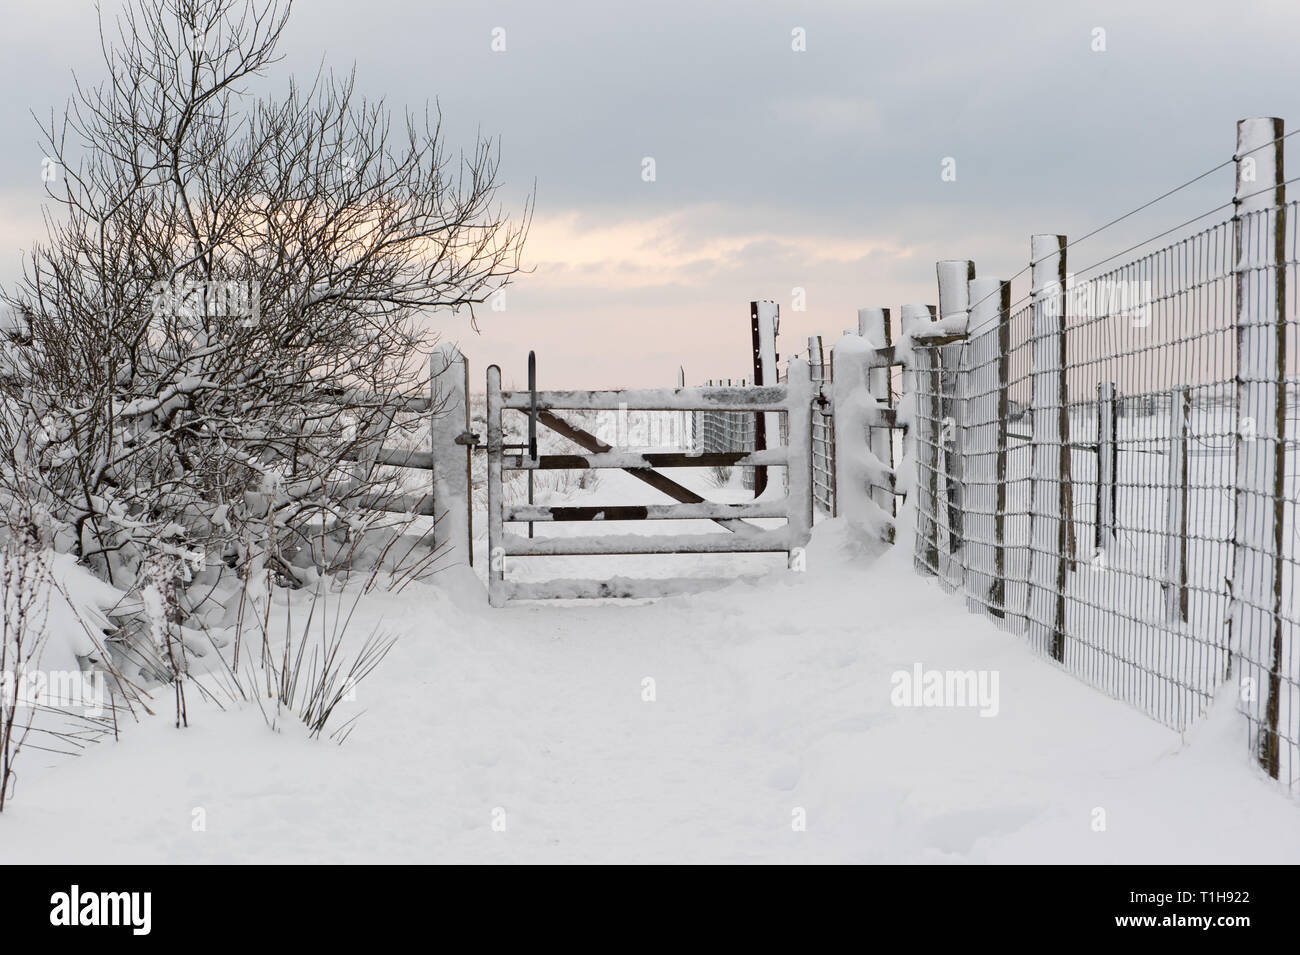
x=1049, y=564
x=954, y=276
x=799, y=412
x=985, y=446
x=873, y=326
x=1256, y=633
x=863, y=469
x=764, y=324
x=453, y=528
x=928, y=412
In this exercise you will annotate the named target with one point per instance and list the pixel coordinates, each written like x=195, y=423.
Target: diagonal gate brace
x=659, y=482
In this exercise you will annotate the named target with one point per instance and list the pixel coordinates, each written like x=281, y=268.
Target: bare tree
x=219, y=268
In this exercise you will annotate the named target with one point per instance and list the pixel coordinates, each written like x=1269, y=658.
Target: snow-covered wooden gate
x=793, y=398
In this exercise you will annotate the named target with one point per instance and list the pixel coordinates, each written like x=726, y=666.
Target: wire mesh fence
x=721, y=431
x=1117, y=477
x=823, y=431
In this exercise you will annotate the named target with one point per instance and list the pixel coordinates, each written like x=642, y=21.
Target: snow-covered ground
x=525, y=735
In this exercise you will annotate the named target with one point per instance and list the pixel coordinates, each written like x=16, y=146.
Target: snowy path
x=760, y=710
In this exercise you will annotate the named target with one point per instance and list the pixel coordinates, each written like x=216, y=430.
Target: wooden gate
x=793, y=398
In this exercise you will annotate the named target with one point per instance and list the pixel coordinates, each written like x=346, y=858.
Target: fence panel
x=823, y=431
x=1151, y=369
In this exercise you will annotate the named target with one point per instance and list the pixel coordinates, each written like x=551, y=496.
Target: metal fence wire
x=1117, y=475
x=823, y=431
x=722, y=431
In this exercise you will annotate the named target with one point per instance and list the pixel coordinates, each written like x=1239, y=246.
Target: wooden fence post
x=1049, y=564
x=496, y=507
x=764, y=322
x=1180, y=412
x=999, y=594
x=928, y=412
x=954, y=276
x=873, y=326
x=1259, y=239
x=1107, y=466
x=799, y=412
x=453, y=527
x=985, y=470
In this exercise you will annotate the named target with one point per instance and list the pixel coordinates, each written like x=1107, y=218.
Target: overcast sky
x=775, y=169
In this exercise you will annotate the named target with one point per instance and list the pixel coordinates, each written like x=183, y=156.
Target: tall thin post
x=496, y=507
x=955, y=276
x=1259, y=239
x=799, y=412
x=453, y=530
x=763, y=321
x=1180, y=413
x=998, y=595
x=928, y=423
x=1049, y=561
x=532, y=428
x=873, y=326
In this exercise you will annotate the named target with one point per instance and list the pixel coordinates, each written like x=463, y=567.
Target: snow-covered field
x=527, y=734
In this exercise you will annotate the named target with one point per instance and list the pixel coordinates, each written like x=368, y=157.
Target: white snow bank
x=771, y=698
x=72, y=603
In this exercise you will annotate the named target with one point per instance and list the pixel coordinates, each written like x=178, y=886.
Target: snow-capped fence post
x=764, y=323
x=1049, y=564
x=928, y=412
x=873, y=326
x=1259, y=239
x=985, y=469
x=1107, y=466
x=1180, y=411
x=450, y=449
x=800, y=394
x=862, y=469
x=954, y=277
x=496, y=510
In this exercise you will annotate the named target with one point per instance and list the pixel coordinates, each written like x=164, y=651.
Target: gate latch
x=467, y=438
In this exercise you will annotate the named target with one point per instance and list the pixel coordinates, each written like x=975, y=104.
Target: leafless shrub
x=229, y=296
x=308, y=675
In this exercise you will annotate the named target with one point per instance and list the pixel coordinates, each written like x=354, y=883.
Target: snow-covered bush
x=229, y=296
